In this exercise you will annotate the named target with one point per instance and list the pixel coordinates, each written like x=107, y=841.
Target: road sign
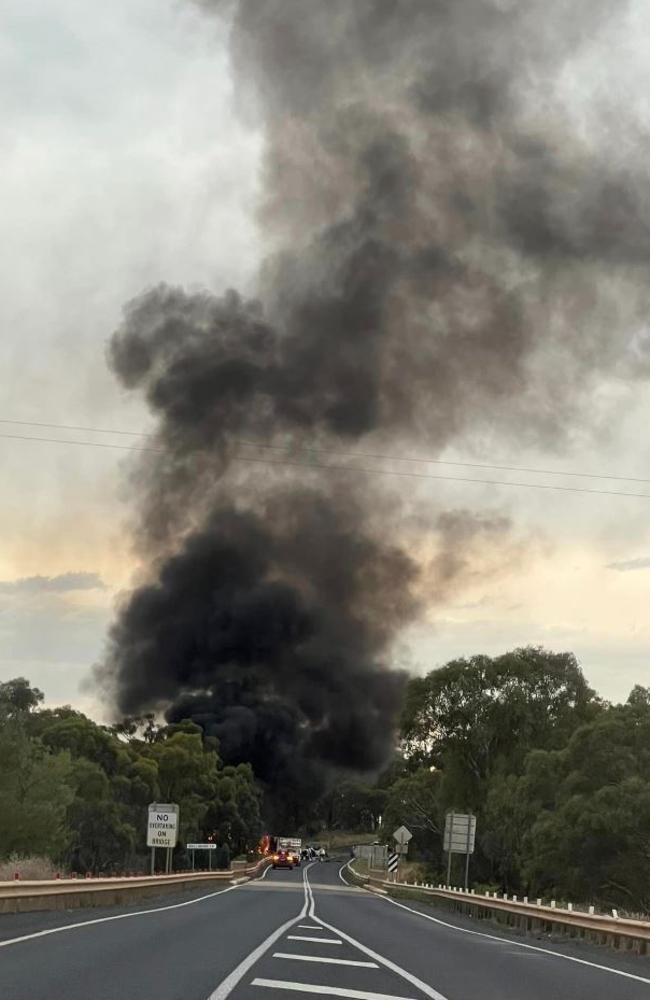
x=460, y=833
x=402, y=835
x=393, y=862
x=201, y=847
x=162, y=824
x=402, y=848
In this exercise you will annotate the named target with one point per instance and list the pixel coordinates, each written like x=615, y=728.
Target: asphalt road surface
x=293, y=934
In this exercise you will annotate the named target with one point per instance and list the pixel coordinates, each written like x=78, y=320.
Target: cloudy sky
x=123, y=165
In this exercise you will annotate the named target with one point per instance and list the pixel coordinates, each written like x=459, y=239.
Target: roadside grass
x=30, y=869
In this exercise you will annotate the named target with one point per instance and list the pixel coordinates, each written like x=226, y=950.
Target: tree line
x=77, y=792
x=558, y=778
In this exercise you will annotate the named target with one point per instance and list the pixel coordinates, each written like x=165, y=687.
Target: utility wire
x=71, y=427
x=440, y=461
x=335, y=452
x=349, y=468
x=448, y=479
x=90, y=444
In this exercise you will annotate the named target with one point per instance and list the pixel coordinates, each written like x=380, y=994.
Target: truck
x=292, y=845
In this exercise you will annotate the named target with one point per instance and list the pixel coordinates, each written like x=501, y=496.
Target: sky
x=124, y=164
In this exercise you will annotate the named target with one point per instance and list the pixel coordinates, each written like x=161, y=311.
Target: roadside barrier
x=69, y=893
x=524, y=915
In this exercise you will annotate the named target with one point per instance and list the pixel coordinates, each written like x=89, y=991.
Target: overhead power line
x=348, y=468
x=89, y=444
x=71, y=427
x=448, y=479
x=334, y=452
x=444, y=461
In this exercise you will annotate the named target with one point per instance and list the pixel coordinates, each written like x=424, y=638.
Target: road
x=295, y=934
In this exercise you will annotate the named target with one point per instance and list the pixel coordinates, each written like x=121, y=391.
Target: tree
x=82, y=737
x=588, y=836
x=353, y=805
x=415, y=802
x=473, y=717
x=18, y=697
x=101, y=838
x=78, y=791
x=34, y=794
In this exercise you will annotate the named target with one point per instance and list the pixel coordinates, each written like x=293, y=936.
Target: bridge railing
x=22, y=896
x=524, y=915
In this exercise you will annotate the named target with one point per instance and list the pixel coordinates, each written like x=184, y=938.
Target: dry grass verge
x=30, y=869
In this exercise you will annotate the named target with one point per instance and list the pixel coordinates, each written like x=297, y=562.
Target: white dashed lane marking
x=328, y=991
x=303, y=937
x=328, y=961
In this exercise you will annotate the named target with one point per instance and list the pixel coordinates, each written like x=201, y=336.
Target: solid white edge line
x=308, y=927
x=517, y=944
x=322, y=958
x=340, y=875
x=115, y=916
x=330, y=991
x=232, y=979
x=413, y=980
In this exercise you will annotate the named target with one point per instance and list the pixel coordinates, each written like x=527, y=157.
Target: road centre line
x=331, y=991
x=516, y=944
x=304, y=937
x=232, y=980
x=228, y=984
x=308, y=927
x=322, y=958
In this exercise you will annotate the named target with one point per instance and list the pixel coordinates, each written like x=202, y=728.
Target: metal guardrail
x=22, y=896
x=535, y=917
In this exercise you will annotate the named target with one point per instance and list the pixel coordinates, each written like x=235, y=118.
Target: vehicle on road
x=283, y=859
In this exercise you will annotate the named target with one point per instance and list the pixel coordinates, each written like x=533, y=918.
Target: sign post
x=162, y=830
x=401, y=836
x=459, y=838
x=202, y=847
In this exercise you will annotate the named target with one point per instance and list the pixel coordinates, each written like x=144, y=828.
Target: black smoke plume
x=445, y=258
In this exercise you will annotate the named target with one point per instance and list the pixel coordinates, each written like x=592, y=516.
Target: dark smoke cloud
x=445, y=257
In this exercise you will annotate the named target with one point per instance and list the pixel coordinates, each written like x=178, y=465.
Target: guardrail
x=69, y=893
x=525, y=916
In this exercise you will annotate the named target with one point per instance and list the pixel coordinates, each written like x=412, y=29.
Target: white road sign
x=201, y=847
x=460, y=833
x=162, y=824
x=402, y=835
